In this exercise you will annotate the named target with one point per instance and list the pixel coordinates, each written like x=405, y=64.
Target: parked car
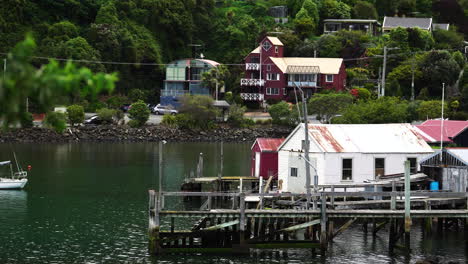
x=162, y=109
x=94, y=120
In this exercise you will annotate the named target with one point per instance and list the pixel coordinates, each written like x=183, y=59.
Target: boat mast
x=17, y=165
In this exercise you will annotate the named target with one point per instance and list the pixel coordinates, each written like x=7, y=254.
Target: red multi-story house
x=269, y=75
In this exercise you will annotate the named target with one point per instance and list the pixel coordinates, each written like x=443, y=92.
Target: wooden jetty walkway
x=227, y=223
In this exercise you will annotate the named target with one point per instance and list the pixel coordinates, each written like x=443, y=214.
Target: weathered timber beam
x=221, y=226
x=379, y=226
x=328, y=194
x=344, y=227
x=301, y=226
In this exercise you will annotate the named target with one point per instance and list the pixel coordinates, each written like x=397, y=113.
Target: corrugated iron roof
x=442, y=26
x=407, y=22
x=268, y=144
x=367, y=138
x=326, y=65
x=430, y=130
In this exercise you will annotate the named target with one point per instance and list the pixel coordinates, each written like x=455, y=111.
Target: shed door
x=257, y=164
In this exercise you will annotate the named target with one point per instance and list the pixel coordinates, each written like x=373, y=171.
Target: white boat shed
x=348, y=154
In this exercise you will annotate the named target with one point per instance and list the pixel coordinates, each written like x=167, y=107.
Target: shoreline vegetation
x=115, y=133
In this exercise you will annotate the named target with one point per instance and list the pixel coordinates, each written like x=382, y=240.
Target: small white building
x=347, y=154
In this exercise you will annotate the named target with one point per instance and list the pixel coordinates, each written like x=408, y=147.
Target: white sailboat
x=17, y=180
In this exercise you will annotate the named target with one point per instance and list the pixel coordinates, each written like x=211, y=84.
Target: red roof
x=430, y=130
x=269, y=144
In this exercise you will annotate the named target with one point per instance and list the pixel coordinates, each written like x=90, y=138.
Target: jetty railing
x=240, y=224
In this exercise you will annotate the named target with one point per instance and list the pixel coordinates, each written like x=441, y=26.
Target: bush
x=281, y=114
x=136, y=95
x=431, y=109
x=139, y=112
x=75, y=114
x=134, y=123
x=458, y=115
x=116, y=101
x=93, y=107
x=26, y=120
x=247, y=123
x=200, y=110
x=185, y=121
x=236, y=114
x=119, y=115
x=106, y=115
x=459, y=58
x=56, y=121
x=169, y=120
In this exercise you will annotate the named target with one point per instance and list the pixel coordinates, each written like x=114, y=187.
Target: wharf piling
x=240, y=224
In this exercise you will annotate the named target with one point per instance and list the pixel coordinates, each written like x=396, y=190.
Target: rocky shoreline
x=113, y=133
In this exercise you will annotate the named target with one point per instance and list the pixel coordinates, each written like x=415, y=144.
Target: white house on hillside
x=348, y=153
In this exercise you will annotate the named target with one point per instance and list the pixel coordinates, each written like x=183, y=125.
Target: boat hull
x=12, y=184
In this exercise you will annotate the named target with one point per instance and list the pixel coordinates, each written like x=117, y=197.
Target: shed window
x=293, y=172
x=276, y=49
x=413, y=165
x=379, y=164
x=269, y=67
x=329, y=78
x=347, y=170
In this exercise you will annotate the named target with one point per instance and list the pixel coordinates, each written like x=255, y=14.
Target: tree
x=214, y=78
x=139, y=112
x=431, y=109
x=364, y=10
x=329, y=46
x=312, y=10
x=282, y=114
x=326, y=106
x=199, y=110
x=335, y=9
x=136, y=95
x=438, y=67
x=75, y=114
x=56, y=121
x=22, y=80
x=304, y=24
x=383, y=110
x=447, y=39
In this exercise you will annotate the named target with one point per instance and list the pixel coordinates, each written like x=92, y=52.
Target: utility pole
x=4, y=68
x=306, y=152
x=384, y=67
x=315, y=53
x=379, y=81
x=442, y=122
x=412, y=79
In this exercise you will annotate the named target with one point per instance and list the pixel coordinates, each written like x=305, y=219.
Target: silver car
x=163, y=109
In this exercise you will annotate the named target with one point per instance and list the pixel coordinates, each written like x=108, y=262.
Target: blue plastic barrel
x=434, y=186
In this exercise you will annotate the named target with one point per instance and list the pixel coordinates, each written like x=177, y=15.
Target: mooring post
x=428, y=220
x=153, y=227
x=407, y=204
x=323, y=223
x=393, y=198
x=242, y=220
x=332, y=201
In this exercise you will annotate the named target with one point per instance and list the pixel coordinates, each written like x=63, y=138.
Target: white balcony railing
x=252, y=96
x=303, y=84
x=252, y=82
x=252, y=66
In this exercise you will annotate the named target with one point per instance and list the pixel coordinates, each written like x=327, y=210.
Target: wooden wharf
x=280, y=221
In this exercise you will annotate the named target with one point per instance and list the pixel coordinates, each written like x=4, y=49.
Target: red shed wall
x=269, y=162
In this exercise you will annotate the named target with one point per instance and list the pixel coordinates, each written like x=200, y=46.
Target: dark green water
x=86, y=203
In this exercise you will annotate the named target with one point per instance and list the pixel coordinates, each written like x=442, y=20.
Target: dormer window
x=266, y=45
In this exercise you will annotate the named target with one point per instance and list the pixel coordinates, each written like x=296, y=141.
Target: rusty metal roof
x=268, y=144
x=367, y=138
